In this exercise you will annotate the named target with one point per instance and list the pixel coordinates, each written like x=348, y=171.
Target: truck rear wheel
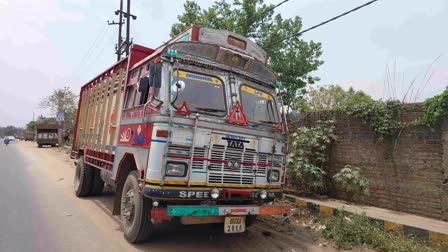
x=135, y=211
x=83, y=178
x=97, y=183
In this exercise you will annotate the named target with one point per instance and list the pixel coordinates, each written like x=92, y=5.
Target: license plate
x=235, y=224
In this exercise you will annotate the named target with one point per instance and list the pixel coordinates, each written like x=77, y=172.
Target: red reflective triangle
x=183, y=110
x=232, y=117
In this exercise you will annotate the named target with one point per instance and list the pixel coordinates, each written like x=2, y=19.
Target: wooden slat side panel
x=96, y=127
x=88, y=116
x=81, y=119
x=102, y=113
x=106, y=113
x=110, y=100
x=92, y=122
x=98, y=114
x=117, y=109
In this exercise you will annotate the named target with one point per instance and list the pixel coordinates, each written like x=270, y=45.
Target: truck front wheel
x=135, y=211
x=83, y=178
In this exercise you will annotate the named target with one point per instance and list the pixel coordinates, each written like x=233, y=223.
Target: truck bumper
x=225, y=210
x=209, y=214
x=203, y=193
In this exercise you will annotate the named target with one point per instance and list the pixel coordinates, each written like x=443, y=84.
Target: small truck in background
x=192, y=132
x=28, y=136
x=46, y=134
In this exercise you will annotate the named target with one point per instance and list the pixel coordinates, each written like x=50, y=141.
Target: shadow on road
x=264, y=235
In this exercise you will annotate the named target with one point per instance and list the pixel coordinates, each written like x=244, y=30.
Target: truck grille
x=186, y=151
x=221, y=174
x=216, y=157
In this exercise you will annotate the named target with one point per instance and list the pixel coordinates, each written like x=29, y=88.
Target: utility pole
x=127, y=43
x=118, y=46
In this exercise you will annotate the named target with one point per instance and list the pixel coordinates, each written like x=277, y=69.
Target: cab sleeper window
x=258, y=106
x=202, y=93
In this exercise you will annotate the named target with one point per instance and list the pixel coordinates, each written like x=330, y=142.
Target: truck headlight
x=214, y=193
x=176, y=169
x=263, y=194
x=273, y=175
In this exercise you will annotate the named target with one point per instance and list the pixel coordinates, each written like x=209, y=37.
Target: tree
x=331, y=97
x=293, y=59
x=31, y=126
x=64, y=100
x=9, y=131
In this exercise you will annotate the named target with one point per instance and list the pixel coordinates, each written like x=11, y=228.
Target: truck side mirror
x=143, y=85
x=155, y=75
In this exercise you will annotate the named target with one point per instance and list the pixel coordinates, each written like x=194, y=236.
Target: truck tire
x=39, y=146
x=97, y=183
x=135, y=212
x=83, y=178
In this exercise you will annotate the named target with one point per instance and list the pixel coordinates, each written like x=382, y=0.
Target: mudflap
x=117, y=200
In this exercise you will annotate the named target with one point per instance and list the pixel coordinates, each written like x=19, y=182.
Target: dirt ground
x=52, y=173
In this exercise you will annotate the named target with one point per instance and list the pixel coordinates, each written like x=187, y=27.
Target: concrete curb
x=423, y=234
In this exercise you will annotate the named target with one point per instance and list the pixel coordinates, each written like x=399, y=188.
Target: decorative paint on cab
x=135, y=135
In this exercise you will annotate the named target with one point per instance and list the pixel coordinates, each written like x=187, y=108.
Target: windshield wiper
x=209, y=109
x=263, y=122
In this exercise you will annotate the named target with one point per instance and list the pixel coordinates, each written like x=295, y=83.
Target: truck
x=193, y=132
x=28, y=136
x=46, y=134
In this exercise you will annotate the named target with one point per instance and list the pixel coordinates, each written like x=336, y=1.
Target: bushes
x=383, y=116
x=435, y=108
x=358, y=230
x=309, y=151
x=352, y=182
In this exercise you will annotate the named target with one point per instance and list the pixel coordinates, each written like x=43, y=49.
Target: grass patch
x=348, y=231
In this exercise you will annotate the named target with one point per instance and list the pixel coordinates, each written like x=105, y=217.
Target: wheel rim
x=77, y=177
x=128, y=206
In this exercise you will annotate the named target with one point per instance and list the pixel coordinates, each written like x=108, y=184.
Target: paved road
x=39, y=212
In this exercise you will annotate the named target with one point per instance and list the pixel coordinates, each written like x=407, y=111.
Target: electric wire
x=322, y=23
x=92, y=49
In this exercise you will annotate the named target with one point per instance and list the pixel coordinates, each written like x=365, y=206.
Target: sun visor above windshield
x=232, y=59
x=233, y=41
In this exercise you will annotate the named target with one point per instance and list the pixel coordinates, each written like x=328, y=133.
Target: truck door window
x=129, y=96
x=135, y=93
x=202, y=93
x=257, y=105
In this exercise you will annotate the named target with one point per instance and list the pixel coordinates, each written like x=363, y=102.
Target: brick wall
x=445, y=170
x=405, y=173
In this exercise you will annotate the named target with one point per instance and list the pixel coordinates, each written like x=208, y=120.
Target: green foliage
x=293, y=59
x=309, y=147
x=435, y=108
x=357, y=230
x=31, y=126
x=383, y=116
x=63, y=99
x=352, y=182
x=331, y=97
x=9, y=131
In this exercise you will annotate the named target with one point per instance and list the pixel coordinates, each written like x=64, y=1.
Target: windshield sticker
x=198, y=77
x=257, y=93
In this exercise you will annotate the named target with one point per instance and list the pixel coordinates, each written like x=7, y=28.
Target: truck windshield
x=202, y=93
x=258, y=106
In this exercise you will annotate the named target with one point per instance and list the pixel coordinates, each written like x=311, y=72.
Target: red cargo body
x=99, y=112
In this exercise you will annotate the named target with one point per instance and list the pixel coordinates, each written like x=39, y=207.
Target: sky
x=386, y=49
